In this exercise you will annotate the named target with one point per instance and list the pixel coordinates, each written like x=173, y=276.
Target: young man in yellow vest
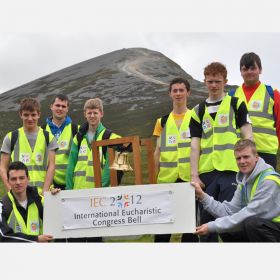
x=172, y=152
x=263, y=105
x=80, y=173
x=213, y=128
x=63, y=129
x=253, y=214
x=31, y=145
x=21, y=209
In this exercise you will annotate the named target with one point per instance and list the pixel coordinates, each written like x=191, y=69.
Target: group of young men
x=208, y=145
x=225, y=134
x=56, y=156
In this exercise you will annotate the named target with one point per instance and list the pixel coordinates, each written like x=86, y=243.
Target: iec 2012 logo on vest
x=256, y=105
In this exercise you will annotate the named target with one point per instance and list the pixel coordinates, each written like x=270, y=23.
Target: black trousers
x=221, y=185
x=255, y=230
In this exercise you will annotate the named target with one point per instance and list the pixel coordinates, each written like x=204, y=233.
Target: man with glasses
x=213, y=129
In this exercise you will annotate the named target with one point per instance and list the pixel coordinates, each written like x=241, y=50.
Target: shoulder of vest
x=164, y=119
x=107, y=134
x=33, y=191
x=44, y=126
x=270, y=91
x=74, y=128
x=201, y=110
x=232, y=92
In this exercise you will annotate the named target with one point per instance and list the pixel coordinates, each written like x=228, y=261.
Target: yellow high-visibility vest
x=34, y=225
x=272, y=177
x=260, y=108
x=36, y=160
x=218, y=138
x=175, y=151
x=84, y=172
x=62, y=154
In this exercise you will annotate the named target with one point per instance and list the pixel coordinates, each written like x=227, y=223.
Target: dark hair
x=244, y=143
x=17, y=165
x=29, y=104
x=61, y=97
x=249, y=59
x=180, y=81
x=215, y=68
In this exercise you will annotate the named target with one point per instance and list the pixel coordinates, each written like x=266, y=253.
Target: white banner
x=118, y=210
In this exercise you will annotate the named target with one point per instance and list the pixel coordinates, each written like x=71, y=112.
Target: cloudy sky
x=36, y=39
x=26, y=56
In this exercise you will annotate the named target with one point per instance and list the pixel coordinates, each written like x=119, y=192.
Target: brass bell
x=121, y=162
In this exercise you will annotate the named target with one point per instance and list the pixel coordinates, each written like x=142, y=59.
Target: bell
x=121, y=162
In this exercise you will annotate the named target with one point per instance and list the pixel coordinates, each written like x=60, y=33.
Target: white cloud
x=26, y=56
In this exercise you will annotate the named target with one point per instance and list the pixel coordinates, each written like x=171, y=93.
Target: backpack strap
x=232, y=92
x=270, y=91
x=79, y=139
x=106, y=135
x=233, y=104
x=201, y=110
x=74, y=129
x=47, y=137
x=163, y=120
x=14, y=139
x=44, y=126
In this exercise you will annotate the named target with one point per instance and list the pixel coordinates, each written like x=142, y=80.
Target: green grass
x=2, y=189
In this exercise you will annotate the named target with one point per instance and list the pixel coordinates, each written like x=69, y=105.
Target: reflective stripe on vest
x=84, y=172
x=272, y=177
x=34, y=224
x=260, y=108
x=36, y=160
x=175, y=151
x=62, y=154
x=218, y=138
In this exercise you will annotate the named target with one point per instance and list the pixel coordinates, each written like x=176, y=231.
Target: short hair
x=180, y=81
x=61, y=97
x=94, y=103
x=29, y=104
x=17, y=165
x=249, y=59
x=244, y=143
x=215, y=68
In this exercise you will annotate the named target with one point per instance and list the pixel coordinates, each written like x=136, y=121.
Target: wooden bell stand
x=136, y=143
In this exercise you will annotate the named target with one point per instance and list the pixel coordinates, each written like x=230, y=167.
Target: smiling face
x=250, y=75
x=179, y=93
x=246, y=160
x=30, y=120
x=93, y=116
x=18, y=181
x=59, y=109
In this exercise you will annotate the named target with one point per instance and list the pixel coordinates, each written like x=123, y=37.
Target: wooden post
x=135, y=141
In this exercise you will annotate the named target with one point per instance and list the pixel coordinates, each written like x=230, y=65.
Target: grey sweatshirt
x=230, y=215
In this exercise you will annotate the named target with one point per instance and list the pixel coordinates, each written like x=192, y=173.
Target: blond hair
x=94, y=103
x=244, y=143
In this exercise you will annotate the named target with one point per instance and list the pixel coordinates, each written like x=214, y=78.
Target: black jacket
x=7, y=234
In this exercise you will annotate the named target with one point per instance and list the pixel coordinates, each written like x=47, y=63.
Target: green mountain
x=133, y=83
